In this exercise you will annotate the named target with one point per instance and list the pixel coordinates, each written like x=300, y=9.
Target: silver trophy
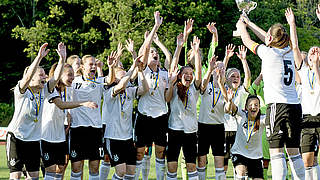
x=245, y=6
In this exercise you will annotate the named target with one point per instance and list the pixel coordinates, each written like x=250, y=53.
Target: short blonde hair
x=72, y=59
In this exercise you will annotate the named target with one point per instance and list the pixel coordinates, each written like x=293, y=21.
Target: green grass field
x=4, y=171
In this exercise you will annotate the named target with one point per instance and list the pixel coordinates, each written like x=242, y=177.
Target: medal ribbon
x=236, y=93
x=186, y=101
x=311, y=83
x=213, y=96
x=122, y=100
x=38, y=103
x=250, y=131
x=156, y=81
x=65, y=97
x=94, y=81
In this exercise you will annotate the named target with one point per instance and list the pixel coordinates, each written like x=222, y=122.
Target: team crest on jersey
x=12, y=162
x=115, y=158
x=93, y=85
x=73, y=154
x=46, y=156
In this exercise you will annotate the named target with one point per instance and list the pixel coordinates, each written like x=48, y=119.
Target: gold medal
x=152, y=93
x=36, y=120
x=212, y=110
x=122, y=113
x=312, y=92
x=246, y=146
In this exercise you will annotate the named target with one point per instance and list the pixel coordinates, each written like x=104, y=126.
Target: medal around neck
x=245, y=6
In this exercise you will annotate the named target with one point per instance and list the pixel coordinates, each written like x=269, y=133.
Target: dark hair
x=257, y=124
x=181, y=88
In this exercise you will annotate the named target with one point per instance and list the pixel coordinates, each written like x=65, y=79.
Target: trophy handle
x=253, y=7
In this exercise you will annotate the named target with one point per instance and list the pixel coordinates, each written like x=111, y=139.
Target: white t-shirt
x=25, y=124
x=53, y=120
x=252, y=149
x=240, y=96
x=83, y=90
x=310, y=97
x=153, y=103
x=119, y=123
x=278, y=71
x=183, y=115
x=210, y=95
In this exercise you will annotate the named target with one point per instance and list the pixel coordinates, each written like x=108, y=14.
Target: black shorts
x=149, y=130
x=53, y=153
x=254, y=166
x=310, y=140
x=188, y=142
x=283, y=125
x=205, y=140
x=22, y=153
x=230, y=137
x=121, y=151
x=86, y=143
x=67, y=142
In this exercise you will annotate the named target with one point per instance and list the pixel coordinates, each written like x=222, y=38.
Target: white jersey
x=310, y=91
x=85, y=90
x=119, y=123
x=212, y=106
x=183, y=115
x=240, y=96
x=26, y=120
x=278, y=70
x=53, y=119
x=153, y=103
x=253, y=148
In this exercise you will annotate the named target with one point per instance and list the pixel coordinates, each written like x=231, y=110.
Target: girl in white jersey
x=183, y=126
x=310, y=101
x=247, y=149
x=24, y=130
x=283, y=121
x=86, y=123
x=53, y=146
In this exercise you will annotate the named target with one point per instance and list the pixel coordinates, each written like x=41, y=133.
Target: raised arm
x=229, y=106
x=221, y=80
x=99, y=67
x=130, y=48
x=196, y=49
x=228, y=54
x=70, y=105
x=245, y=37
x=260, y=33
x=294, y=38
x=172, y=77
x=315, y=63
x=242, y=55
x=145, y=87
x=112, y=62
x=27, y=76
x=176, y=55
x=206, y=78
x=318, y=11
x=163, y=48
x=214, y=42
x=62, y=52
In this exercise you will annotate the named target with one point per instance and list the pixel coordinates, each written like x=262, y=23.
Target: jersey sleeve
x=262, y=51
x=53, y=95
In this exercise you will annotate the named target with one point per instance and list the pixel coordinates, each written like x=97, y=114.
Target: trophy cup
x=245, y=6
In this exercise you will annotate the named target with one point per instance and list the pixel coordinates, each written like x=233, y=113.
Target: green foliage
x=6, y=113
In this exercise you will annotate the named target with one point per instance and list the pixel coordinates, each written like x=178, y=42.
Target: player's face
x=187, y=76
x=90, y=67
x=67, y=77
x=39, y=79
x=153, y=57
x=253, y=107
x=76, y=65
x=234, y=79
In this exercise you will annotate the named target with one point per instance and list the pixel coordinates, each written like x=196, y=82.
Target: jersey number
x=287, y=71
x=78, y=85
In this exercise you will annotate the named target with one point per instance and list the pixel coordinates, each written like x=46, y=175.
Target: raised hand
x=180, y=40
x=187, y=28
x=99, y=63
x=42, y=51
x=130, y=45
x=314, y=58
x=172, y=76
x=195, y=44
x=242, y=52
x=156, y=38
x=140, y=66
x=230, y=95
x=137, y=61
x=318, y=11
x=62, y=51
x=211, y=27
x=146, y=34
x=90, y=104
x=112, y=60
x=245, y=19
x=290, y=16
x=212, y=62
x=230, y=51
x=158, y=20
x=119, y=50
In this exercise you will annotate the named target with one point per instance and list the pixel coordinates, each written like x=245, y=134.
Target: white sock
x=116, y=177
x=138, y=169
x=237, y=177
x=316, y=172
x=220, y=175
x=171, y=176
x=93, y=176
x=201, y=173
x=297, y=167
x=309, y=173
x=49, y=176
x=278, y=166
x=129, y=177
x=75, y=176
x=58, y=176
x=160, y=168
x=193, y=175
x=104, y=170
x=145, y=167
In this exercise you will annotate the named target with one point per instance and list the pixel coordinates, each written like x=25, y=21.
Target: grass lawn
x=4, y=172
